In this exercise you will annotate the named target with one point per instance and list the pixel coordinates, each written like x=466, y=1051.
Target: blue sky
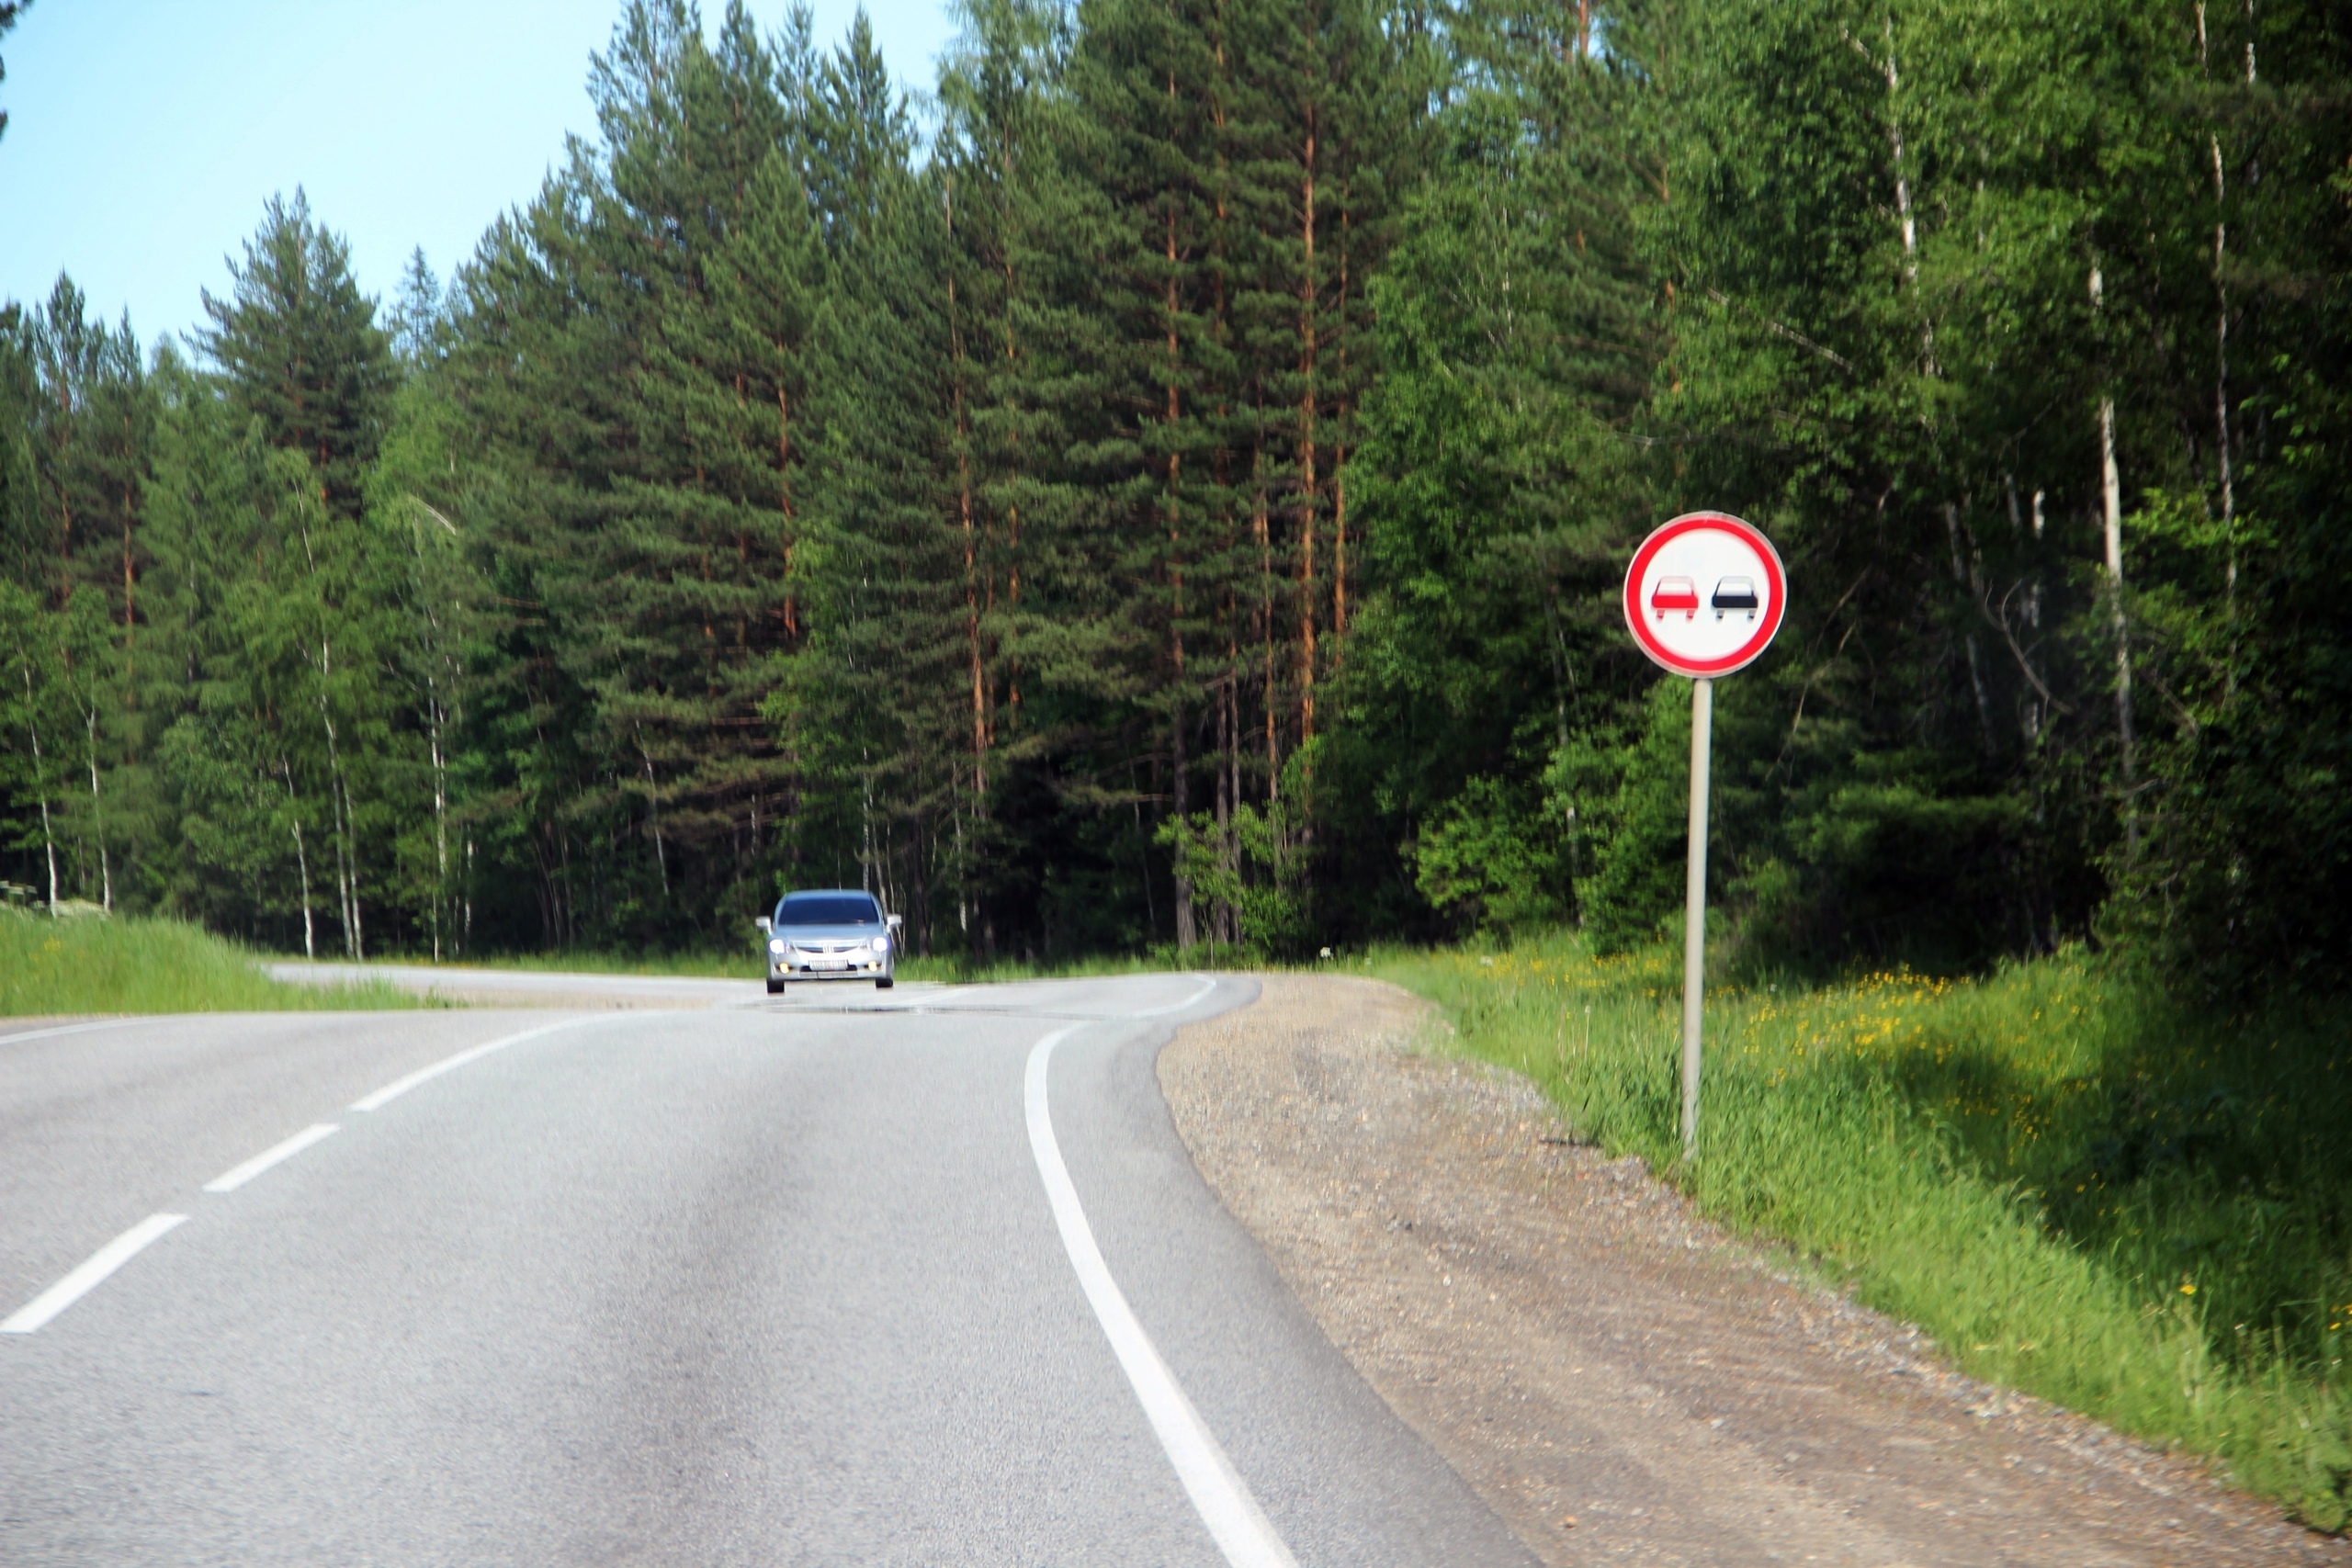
x=144, y=135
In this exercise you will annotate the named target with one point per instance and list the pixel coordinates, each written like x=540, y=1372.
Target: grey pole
x=1694, y=913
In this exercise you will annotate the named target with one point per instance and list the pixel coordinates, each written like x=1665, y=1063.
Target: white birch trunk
x=2111, y=497
x=301, y=858
x=653, y=815
x=40, y=788
x=435, y=716
x=98, y=816
x=2111, y=493
x=347, y=847
x=1961, y=576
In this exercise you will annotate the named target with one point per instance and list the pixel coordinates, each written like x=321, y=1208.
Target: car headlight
x=776, y=944
x=881, y=945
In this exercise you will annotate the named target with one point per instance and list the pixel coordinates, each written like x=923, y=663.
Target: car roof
x=829, y=893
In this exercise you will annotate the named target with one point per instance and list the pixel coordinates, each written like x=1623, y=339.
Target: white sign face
x=1705, y=593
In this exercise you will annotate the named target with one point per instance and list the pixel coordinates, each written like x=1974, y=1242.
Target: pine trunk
x=1306, y=470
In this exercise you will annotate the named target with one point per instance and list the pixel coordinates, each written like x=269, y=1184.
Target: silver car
x=832, y=933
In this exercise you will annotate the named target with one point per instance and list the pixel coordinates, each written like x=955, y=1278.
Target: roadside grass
x=2079, y=1187
x=95, y=965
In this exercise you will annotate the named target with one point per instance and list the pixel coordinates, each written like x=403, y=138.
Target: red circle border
x=1748, y=651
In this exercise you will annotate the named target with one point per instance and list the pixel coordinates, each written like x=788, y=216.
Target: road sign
x=1705, y=594
x=1703, y=597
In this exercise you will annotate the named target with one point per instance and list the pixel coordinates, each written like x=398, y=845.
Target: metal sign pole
x=1694, y=915
x=1690, y=565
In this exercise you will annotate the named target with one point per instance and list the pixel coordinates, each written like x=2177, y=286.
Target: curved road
x=923, y=1278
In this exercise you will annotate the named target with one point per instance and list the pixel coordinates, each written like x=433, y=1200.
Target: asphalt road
x=844, y=1278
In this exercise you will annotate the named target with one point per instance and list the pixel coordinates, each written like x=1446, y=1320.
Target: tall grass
x=149, y=965
x=2081, y=1188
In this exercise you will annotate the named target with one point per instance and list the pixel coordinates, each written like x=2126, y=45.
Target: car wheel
x=884, y=983
x=775, y=987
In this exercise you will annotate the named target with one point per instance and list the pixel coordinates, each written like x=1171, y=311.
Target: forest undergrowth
x=2080, y=1187
x=99, y=965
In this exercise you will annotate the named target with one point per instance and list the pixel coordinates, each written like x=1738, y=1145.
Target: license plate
x=831, y=963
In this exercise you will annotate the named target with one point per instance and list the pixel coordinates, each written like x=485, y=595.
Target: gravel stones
x=1621, y=1381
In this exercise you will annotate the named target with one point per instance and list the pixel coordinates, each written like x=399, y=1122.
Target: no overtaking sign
x=1703, y=597
x=1705, y=594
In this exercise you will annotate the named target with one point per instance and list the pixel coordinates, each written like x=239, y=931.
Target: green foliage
x=1633, y=798
x=1242, y=415
x=2077, y=1185
x=1182, y=499
x=1249, y=875
x=10, y=10
x=96, y=965
x=1492, y=859
x=300, y=349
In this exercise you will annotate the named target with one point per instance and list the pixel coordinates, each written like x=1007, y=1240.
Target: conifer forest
x=1168, y=484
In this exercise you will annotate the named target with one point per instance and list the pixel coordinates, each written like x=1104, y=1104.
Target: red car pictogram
x=1675, y=594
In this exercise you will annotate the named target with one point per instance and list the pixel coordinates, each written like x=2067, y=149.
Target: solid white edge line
x=79, y=1028
x=237, y=1176
x=1208, y=984
x=87, y=1278
x=399, y=1086
x=1222, y=1498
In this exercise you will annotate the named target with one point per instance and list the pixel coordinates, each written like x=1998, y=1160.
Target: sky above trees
x=144, y=135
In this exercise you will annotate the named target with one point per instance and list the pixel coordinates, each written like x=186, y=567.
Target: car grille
x=830, y=955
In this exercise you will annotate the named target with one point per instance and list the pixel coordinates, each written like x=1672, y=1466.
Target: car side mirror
x=762, y=922
x=897, y=922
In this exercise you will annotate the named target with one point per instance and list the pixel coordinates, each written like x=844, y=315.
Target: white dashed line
x=399, y=1086
x=86, y=1278
x=1222, y=1498
x=237, y=1176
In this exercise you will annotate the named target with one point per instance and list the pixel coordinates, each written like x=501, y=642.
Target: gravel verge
x=1620, y=1380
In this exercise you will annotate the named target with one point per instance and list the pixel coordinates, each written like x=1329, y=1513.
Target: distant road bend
x=922, y=1277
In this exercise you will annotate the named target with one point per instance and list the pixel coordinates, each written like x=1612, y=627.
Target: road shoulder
x=1616, y=1377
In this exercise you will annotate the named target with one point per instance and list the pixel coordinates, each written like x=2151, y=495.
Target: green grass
x=2078, y=1187
x=149, y=965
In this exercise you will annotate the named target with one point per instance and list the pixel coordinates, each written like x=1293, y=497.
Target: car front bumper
x=828, y=967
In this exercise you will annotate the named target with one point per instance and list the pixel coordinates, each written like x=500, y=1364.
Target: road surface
x=913, y=1277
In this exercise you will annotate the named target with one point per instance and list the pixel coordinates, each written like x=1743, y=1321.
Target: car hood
x=828, y=933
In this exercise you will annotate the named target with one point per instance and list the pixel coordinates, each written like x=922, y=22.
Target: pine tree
x=1004, y=205
x=693, y=525
x=1233, y=163
x=873, y=703
x=11, y=11
x=298, y=343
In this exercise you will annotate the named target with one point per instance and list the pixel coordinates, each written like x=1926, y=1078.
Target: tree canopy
x=1173, y=490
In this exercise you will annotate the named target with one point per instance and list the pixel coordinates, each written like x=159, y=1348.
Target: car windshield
x=828, y=909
